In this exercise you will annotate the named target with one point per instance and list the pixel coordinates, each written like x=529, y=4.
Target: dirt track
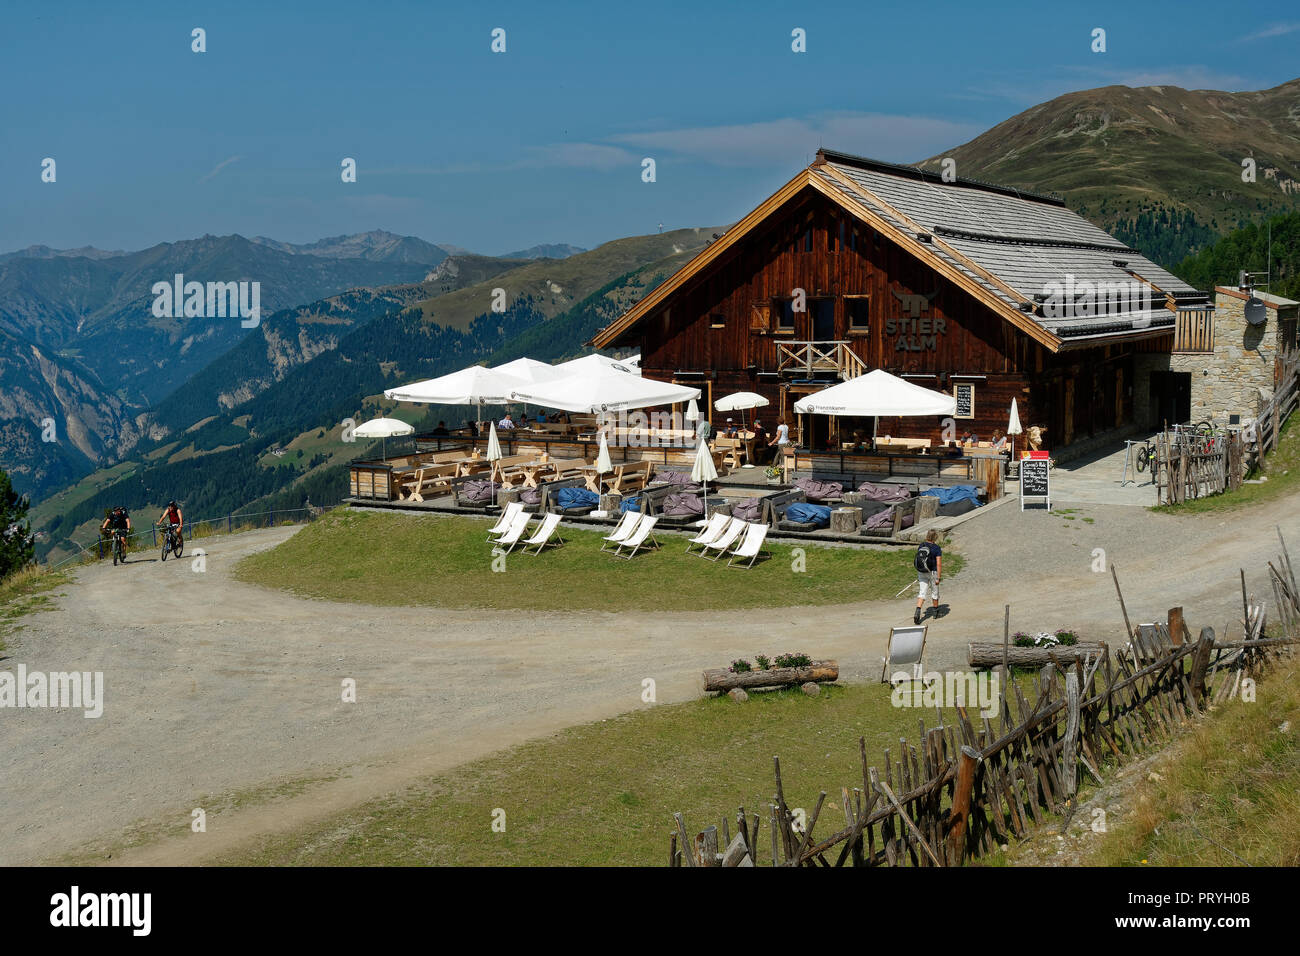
x=214, y=686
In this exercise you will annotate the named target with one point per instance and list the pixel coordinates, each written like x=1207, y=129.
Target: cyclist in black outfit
x=118, y=524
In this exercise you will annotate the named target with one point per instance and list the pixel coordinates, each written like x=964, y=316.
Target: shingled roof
x=1010, y=248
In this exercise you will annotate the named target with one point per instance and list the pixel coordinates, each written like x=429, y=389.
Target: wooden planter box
x=990, y=654
x=819, y=672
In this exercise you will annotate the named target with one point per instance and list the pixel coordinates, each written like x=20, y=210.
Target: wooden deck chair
x=751, y=545
x=724, y=542
x=544, y=533
x=505, y=520
x=626, y=525
x=710, y=532
x=512, y=534
x=637, y=539
x=906, y=649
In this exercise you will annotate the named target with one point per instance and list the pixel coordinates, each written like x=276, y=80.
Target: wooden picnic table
x=533, y=471
x=470, y=466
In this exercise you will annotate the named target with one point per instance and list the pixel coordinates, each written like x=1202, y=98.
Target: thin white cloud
x=792, y=140
x=1189, y=78
x=1030, y=90
x=1276, y=30
x=220, y=166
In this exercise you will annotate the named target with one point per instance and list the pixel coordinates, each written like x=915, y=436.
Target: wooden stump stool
x=506, y=496
x=610, y=501
x=846, y=520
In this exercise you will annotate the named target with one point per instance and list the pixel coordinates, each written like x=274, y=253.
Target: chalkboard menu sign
x=964, y=394
x=1034, y=481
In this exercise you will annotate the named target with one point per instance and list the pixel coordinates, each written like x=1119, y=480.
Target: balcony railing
x=814, y=360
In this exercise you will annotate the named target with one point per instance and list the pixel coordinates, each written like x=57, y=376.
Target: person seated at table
x=999, y=440
x=523, y=421
x=506, y=423
x=541, y=418
x=731, y=431
x=472, y=428
x=441, y=430
x=760, y=437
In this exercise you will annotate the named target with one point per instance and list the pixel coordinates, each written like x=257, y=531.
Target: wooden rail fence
x=965, y=787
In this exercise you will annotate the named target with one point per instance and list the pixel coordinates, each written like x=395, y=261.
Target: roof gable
x=1006, y=247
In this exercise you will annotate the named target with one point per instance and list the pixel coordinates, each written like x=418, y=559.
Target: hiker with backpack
x=929, y=569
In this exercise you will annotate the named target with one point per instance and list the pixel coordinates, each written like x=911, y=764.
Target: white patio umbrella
x=603, y=464
x=475, y=385
x=594, y=364
x=603, y=392
x=634, y=361
x=740, y=401
x=692, y=412
x=530, y=370
x=382, y=428
x=704, y=471
x=1013, y=427
x=878, y=395
x=493, y=455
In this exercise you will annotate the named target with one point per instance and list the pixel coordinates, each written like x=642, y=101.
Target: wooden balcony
x=815, y=361
x=1194, y=330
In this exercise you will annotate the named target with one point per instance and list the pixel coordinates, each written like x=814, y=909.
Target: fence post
x=228, y=531
x=961, y=800
x=1200, y=662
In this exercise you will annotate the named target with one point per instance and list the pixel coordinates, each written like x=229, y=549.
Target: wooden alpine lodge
x=986, y=292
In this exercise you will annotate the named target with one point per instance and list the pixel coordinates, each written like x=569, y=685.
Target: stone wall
x=1238, y=375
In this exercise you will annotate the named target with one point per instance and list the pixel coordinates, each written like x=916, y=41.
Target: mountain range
x=1157, y=166
x=227, y=418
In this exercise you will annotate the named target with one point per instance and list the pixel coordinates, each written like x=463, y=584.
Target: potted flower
x=773, y=474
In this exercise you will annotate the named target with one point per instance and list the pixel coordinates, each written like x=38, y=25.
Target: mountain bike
x=1146, y=456
x=119, y=548
x=172, y=542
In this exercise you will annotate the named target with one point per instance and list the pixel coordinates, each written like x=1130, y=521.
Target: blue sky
x=544, y=142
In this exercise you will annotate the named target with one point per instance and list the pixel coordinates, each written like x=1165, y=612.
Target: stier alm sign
x=915, y=333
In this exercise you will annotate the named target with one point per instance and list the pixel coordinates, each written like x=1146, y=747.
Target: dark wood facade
x=724, y=329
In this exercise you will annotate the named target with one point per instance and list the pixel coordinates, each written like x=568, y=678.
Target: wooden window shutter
x=760, y=316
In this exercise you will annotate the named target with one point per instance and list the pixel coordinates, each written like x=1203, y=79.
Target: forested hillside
x=1248, y=249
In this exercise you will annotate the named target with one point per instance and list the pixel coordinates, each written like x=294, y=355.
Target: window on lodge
x=717, y=320
x=857, y=309
x=783, y=311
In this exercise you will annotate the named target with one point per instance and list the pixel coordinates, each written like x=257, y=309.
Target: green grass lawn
x=443, y=561
x=1230, y=793
x=1281, y=467
x=604, y=793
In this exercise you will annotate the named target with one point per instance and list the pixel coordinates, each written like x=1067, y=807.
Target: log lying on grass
x=990, y=654
x=719, y=678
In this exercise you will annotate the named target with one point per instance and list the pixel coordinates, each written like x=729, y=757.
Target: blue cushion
x=803, y=511
x=576, y=498
x=947, y=496
x=630, y=504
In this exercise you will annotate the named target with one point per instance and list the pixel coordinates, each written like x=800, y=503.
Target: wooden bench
x=774, y=505
x=629, y=476
x=434, y=479
x=732, y=450
x=506, y=468
x=550, y=489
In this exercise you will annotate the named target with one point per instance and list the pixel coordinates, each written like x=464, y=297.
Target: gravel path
x=214, y=686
